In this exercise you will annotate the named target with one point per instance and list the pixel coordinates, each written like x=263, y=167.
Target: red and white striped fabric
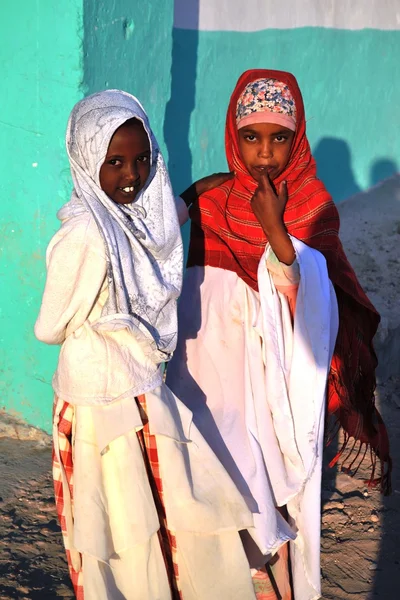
x=63, y=463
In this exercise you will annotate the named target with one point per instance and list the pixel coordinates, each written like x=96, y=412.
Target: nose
x=265, y=149
x=131, y=173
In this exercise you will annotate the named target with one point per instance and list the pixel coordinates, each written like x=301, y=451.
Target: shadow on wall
x=334, y=167
x=183, y=95
x=382, y=169
x=137, y=47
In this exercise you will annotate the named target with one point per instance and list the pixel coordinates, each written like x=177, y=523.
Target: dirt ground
x=360, y=528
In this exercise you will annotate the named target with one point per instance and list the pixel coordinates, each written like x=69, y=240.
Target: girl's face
x=127, y=165
x=265, y=147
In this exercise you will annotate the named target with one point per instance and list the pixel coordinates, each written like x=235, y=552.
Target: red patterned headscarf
x=225, y=233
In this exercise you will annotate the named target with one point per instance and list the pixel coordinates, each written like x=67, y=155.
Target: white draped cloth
x=256, y=384
x=113, y=522
x=113, y=277
x=142, y=241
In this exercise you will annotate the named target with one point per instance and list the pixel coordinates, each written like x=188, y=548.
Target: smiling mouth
x=129, y=189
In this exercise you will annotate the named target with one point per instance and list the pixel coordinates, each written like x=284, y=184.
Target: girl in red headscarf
x=274, y=327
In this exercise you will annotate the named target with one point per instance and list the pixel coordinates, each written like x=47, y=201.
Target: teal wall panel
x=40, y=59
x=127, y=45
x=54, y=52
x=350, y=82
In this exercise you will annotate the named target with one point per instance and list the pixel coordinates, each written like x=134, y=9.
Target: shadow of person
x=185, y=38
x=382, y=169
x=334, y=168
x=183, y=91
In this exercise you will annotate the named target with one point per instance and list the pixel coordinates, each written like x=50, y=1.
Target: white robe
x=112, y=523
x=256, y=386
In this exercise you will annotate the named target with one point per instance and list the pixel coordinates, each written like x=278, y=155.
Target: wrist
x=275, y=230
x=189, y=195
x=281, y=245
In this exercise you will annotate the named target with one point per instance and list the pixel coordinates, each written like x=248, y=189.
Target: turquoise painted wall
x=54, y=52
x=350, y=81
x=127, y=45
x=40, y=59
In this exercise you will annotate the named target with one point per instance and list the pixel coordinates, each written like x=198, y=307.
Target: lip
x=264, y=168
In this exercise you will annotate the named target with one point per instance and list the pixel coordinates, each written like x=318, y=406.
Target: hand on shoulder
x=203, y=185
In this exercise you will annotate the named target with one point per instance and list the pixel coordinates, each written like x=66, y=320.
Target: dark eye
x=250, y=137
x=114, y=162
x=143, y=158
x=281, y=138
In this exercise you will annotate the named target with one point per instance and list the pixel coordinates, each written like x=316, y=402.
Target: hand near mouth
x=267, y=205
x=269, y=208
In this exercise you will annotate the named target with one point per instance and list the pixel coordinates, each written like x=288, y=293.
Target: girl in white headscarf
x=146, y=510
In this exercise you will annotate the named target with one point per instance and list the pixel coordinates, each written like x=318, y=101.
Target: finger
x=212, y=181
x=265, y=182
x=283, y=193
x=264, y=179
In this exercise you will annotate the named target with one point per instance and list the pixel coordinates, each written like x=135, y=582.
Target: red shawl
x=225, y=233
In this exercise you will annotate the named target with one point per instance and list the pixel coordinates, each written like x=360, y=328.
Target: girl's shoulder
x=78, y=234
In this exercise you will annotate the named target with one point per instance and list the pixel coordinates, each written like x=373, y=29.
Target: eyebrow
x=285, y=130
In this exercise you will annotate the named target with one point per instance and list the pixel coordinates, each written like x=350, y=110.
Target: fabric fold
x=297, y=403
x=113, y=505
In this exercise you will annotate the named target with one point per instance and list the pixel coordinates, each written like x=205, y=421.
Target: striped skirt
x=271, y=583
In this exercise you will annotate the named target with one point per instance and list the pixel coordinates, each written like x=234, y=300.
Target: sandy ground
x=360, y=529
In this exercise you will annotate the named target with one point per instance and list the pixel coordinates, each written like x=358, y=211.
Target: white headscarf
x=142, y=240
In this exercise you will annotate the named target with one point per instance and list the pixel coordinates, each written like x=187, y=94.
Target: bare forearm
x=269, y=208
x=280, y=243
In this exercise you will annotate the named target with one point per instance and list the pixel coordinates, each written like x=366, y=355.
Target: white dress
x=112, y=523
x=256, y=385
